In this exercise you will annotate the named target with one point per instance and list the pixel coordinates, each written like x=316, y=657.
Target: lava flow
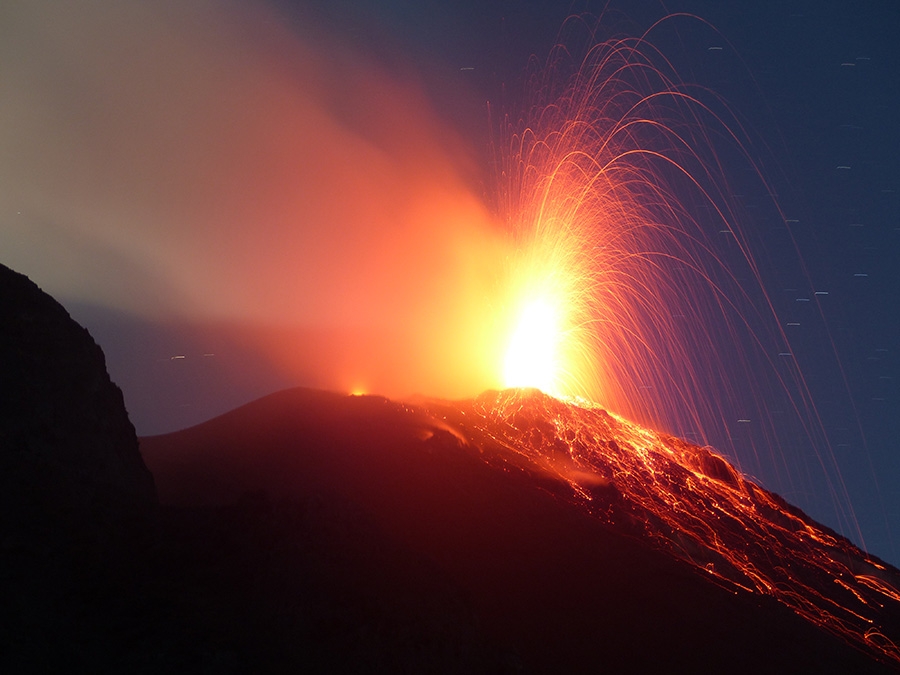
x=690, y=501
x=611, y=187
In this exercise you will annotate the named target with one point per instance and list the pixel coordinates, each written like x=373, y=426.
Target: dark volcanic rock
x=69, y=458
x=78, y=508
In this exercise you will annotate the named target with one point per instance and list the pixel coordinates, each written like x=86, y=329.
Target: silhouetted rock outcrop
x=68, y=452
x=78, y=506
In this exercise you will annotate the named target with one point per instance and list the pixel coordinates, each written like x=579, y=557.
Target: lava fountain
x=636, y=272
x=597, y=188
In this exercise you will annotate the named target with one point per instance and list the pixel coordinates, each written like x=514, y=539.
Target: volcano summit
x=529, y=533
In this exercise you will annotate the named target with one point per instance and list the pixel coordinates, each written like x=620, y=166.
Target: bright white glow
x=531, y=358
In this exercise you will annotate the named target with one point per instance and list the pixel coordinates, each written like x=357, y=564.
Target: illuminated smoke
x=198, y=161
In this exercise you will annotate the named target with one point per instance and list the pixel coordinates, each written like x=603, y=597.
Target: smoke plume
x=202, y=162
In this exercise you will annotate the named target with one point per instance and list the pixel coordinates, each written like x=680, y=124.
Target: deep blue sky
x=819, y=82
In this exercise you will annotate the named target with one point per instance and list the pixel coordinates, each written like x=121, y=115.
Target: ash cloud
x=203, y=162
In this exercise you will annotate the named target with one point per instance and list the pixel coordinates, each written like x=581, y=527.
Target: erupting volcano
x=633, y=279
x=611, y=188
x=611, y=300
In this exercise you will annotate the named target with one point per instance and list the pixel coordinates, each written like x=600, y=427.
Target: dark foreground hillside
x=315, y=532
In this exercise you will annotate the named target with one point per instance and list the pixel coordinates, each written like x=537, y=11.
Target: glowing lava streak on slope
x=688, y=501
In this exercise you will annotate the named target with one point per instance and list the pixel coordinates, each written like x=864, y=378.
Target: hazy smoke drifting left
x=199, y=161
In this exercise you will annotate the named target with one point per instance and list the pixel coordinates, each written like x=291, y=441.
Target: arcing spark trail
x=647, y=273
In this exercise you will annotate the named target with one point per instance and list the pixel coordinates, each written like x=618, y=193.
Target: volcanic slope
x=513, y=532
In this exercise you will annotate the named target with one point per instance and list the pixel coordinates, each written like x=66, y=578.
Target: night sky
x=150, y=254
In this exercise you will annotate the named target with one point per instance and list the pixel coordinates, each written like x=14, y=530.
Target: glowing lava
x=532, y=357
x=689, y=501
x=636, y=279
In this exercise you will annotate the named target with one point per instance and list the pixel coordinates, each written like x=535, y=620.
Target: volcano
x=311, y=531
x=513, y=532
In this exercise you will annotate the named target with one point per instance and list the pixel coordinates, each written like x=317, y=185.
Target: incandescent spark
x=614, y=191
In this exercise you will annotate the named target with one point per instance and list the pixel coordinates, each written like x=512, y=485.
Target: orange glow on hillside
x=690, y=501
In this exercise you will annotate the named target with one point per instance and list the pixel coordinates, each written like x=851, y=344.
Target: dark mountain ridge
x=78, y=506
